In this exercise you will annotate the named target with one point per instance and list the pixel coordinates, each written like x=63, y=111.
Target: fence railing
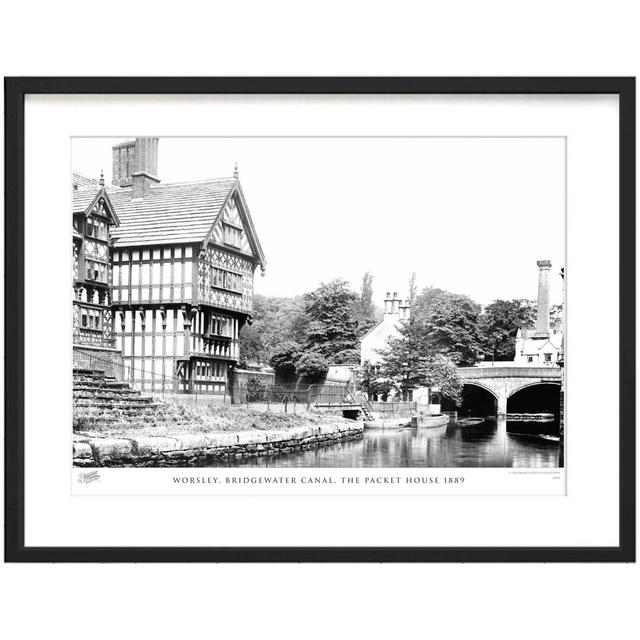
x=393, y=408
x=283, y=398
x=330, y=394
x=144, y=380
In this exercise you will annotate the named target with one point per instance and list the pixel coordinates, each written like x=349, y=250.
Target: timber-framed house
x=93, y=219
x=183, y=257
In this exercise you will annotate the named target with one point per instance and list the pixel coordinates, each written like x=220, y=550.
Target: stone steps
x=98, y=396
x=94, y=384
x=123, y=406
x=101, y=400
x=86, y=375
x=84, y=392
x=111, y=397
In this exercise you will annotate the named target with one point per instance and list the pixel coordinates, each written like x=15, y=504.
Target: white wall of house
x=395, y=312
x=538, y=351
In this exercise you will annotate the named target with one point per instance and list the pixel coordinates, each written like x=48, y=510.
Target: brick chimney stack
x=388, y=303
x=135, y=164
x=405, y=310
x=542, y=317
x=392, y=304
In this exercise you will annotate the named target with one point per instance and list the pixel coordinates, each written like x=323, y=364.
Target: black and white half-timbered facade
x=183, y=258
x=93, y=220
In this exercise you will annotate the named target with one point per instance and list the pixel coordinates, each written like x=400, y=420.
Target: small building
x=376, y=339
x=540, y=346
x=396, y=311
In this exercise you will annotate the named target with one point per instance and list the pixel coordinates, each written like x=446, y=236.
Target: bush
x=257, y=389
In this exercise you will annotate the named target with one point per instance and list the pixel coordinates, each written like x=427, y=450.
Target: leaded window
x=91, y=319
x=232, y=235
x=97, y=228
x=223, y=279
x=96, y=271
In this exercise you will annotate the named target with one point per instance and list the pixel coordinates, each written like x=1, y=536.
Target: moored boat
x=469, y=422
x=429, y=421
x=385, y=424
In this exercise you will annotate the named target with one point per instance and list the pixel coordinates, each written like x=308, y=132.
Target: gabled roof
x=248, y=224
x=533, y=344
x=81, y=181
x=85, y=200
x=173, y=213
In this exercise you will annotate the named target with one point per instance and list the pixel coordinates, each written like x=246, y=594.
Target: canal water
x=494, y=443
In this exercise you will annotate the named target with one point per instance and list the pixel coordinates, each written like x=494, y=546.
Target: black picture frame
x=15, y=91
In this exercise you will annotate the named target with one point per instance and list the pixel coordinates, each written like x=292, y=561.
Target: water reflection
x=490, y=444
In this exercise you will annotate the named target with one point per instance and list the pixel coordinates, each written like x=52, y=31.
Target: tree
x=348, y=356
x=312, y=365
x=251, y=344
x=365, y=309
x=409, y=363
x=373, y=382
x=499, y=324
x=450, y=323
x=275, y=320
x=556, y=314
x=333, y=325
x=413, y=293
x=285, y=358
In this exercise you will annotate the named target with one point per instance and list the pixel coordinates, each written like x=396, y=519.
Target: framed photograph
x=320, y=319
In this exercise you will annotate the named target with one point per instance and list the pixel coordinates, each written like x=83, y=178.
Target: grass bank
x=173, y=418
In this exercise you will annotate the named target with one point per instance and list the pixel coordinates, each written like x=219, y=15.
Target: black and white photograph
x=366, y=318
x=321, y=301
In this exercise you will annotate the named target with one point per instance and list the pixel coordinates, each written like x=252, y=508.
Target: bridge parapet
x=541, y=373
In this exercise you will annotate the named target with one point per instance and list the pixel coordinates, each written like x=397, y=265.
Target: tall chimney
x=542, y=317
x=135, y=164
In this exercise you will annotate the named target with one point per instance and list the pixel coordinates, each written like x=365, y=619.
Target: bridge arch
x=540, y=397
x=478, y=400
x=537, y=383
x=486, y=387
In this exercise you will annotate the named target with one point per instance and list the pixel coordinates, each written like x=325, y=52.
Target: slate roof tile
x=168, y=214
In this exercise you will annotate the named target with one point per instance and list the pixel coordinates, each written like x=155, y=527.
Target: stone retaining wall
x=182, y=450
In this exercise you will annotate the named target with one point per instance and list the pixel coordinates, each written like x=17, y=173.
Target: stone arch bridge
x=503, y=382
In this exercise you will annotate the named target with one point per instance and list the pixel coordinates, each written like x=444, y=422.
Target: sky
x=470, y=215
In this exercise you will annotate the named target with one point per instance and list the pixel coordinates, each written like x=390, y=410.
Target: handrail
x=170, y=382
